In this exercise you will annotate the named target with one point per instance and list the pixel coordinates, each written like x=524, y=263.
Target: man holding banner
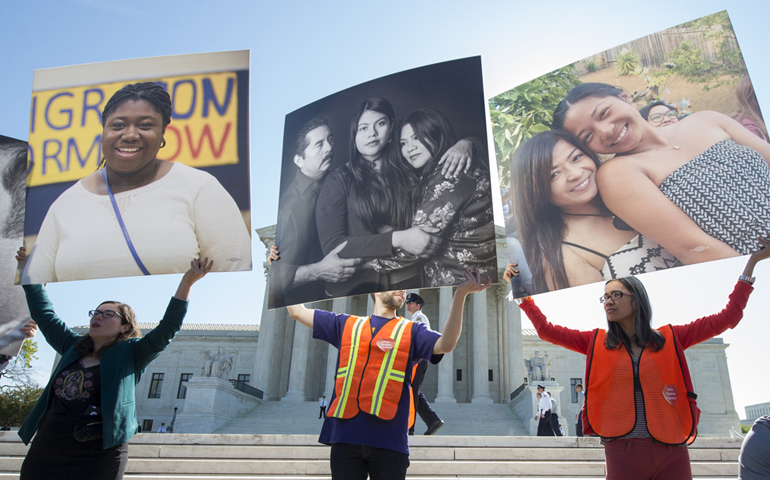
x=368, y=417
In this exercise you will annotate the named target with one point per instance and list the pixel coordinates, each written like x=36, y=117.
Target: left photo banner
x=137, y=166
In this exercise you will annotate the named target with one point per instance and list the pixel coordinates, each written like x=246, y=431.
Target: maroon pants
x=643, y=459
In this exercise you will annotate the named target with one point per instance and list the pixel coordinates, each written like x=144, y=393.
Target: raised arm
x=151, y=345
x=710, y=326
x=198, y=269
x=575, y=340
x=302, y=314
x=454, y=323
x=633, y=196
x=55, y=331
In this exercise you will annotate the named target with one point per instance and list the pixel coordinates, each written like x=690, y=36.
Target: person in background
x=755, y=452
x=543, y=415
x=579, y=415
x=323, y=403
x=555, y=418
x=162, y=428
x=659, y=113
x=414, y=304
x=748, y=113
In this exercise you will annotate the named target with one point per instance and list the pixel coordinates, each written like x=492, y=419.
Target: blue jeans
x=354, y=462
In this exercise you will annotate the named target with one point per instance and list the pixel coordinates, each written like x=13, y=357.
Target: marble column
x=446, y=366
x=516, y=370
x=480, y=348
x=263, y=358
x=298, y=368
x=340, y=305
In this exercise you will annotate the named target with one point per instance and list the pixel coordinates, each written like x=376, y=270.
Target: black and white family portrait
x=386, y=186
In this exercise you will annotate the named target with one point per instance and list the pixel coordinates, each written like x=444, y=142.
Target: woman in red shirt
x=647, y=437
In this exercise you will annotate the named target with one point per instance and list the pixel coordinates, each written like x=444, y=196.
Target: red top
x=687, y=335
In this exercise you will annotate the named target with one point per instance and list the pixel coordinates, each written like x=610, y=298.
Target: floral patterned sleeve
x=461, y=209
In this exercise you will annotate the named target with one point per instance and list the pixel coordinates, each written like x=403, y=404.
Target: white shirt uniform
x=544, y=404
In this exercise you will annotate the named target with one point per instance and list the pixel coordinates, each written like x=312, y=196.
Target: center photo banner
x=386, y=186
x=138, y=166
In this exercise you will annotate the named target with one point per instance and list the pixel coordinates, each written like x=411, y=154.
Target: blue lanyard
x=123, y=226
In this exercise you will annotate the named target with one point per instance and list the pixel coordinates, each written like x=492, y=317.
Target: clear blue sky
x=302, y=51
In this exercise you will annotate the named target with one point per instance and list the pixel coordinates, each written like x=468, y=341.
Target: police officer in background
x=414, y=304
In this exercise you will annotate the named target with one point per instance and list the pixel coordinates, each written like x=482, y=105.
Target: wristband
x=747, y=279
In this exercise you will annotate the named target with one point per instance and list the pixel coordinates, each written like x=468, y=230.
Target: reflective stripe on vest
x=369, y=378
x=610, y=401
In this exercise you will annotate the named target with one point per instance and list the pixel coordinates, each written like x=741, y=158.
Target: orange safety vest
x=372, y=369
x=670, y=409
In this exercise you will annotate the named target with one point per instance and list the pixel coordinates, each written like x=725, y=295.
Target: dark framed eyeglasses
x=658, y=117
x=616, y=295
x=104, y=313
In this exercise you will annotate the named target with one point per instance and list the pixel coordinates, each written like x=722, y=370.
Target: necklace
x=673, y=147
x=616, y=222
x=588, y=215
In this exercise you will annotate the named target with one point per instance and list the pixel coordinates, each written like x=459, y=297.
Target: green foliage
x=19, y=371
x=689, y=62
x=745, y=429
x=591, y=66
x=526, y=110
x=16, y=403
x=654, y=79
x=628, y=62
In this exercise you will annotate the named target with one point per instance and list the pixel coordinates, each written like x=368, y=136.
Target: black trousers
x=555, y=424
x=544, y=426
x=421, y=404
x=579, y=429
x=355, y=462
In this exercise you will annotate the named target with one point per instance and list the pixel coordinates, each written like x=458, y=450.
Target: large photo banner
x=138, y=166
x=13, y=303
x=647, y=156
x=386, y=186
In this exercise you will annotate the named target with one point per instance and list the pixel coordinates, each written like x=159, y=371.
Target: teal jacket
x=121, y=366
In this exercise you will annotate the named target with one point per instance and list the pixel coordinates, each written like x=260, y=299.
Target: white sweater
x=186, y=214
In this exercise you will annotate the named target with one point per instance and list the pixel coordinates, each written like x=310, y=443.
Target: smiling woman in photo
x=700, y=188
x=138, y=214
x=569, y=236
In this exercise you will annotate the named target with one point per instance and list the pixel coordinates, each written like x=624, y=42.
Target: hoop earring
x=162, y=142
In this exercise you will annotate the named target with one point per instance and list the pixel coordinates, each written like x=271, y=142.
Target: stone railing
x=246, y=388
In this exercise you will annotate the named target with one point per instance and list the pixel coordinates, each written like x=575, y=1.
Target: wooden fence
x=652, y=49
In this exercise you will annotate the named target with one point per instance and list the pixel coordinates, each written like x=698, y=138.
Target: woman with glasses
x=700, y=188
x=660, y=114
x=639, y=395
x=87, y=413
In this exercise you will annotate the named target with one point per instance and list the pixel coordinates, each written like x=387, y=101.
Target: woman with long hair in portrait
x=569, y=236
x=366, y=202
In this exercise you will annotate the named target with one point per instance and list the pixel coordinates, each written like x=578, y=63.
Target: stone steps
x=301, y=418
x=285, y=457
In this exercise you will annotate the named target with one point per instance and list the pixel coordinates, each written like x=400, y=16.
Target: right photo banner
x=646, y=156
